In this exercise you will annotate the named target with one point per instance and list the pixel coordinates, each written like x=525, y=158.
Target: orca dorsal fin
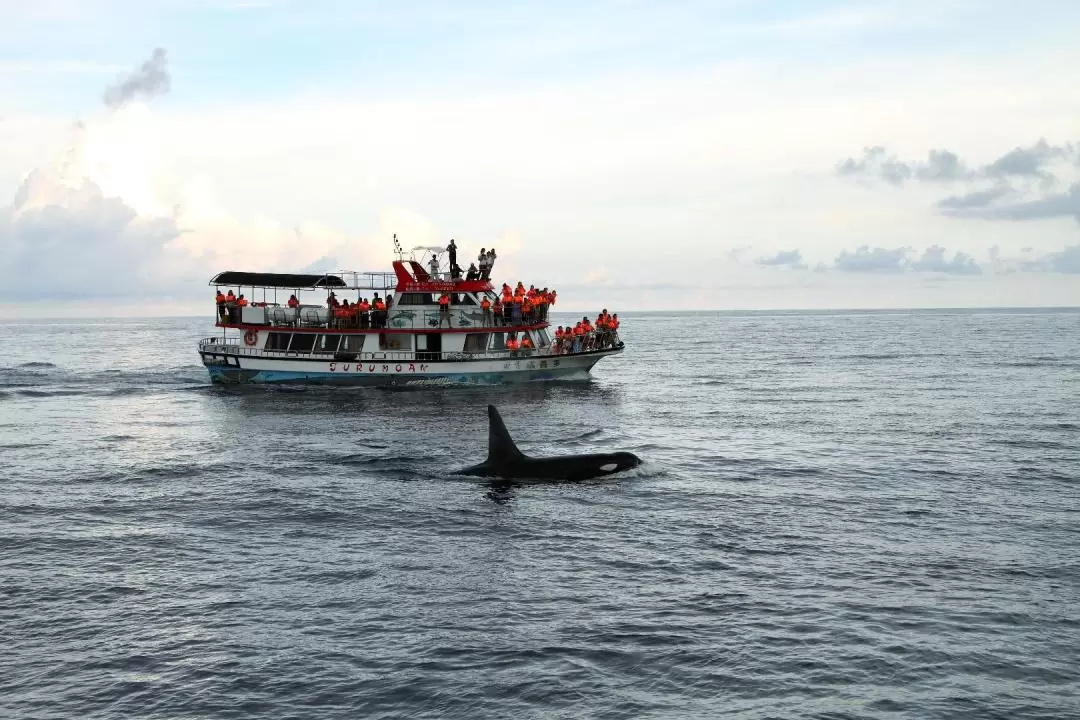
x=501, y=447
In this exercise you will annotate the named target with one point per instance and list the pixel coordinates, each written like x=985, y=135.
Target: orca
x=505, y=461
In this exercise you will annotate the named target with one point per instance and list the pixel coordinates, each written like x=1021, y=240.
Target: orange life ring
x=251, y=337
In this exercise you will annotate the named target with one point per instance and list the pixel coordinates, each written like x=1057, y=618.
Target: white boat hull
x=227, y=368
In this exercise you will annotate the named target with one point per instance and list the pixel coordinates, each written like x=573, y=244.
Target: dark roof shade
x=277, y=280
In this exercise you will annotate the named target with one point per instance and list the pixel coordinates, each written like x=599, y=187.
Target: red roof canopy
x=419, y=281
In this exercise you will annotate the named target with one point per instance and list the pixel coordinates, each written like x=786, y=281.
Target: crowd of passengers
x=585, y=336
x=363, y=313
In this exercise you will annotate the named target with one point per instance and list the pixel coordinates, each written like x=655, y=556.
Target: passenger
x=332, y=301
x=511, y=343
x=473, y=273
x=380, y=312
x=294, y=302
x=481, y=262
x=497, y=312
x=558, y=339
x=527, y=310
x=526, y=343
x=486, y=273
x=444, y=309
x=579, y=337
x=365, y=310
x=241, y=302
x=515, y=310
x=485, y=307
x=433, y=267
x=452, y=250
x=222, y=311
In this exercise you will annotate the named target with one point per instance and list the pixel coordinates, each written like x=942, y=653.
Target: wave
x=36, y=364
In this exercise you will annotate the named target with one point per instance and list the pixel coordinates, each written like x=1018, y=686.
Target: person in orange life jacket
x=220, y=300
x=511, y=342
x=527, y=310
x=485, y=308
x=230, y=297
x=526, y=343
x=515, y=310
x=364, y=308
x=293, y=301
x=241, y=301
x=444, y=309
x=579, y=338
x=380, y=312
x=497, y=311
x=558, y=339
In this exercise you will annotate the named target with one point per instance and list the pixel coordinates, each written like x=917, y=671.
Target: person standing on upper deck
x=433, y=267
x=452, y=250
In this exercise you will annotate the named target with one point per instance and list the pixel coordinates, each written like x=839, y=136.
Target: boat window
x=395, y=341
x=498, y=341
x=352, y=343
x=278, y=341
x=302, y=342
x=476, y=342
x=417, y=299
x=327, y=344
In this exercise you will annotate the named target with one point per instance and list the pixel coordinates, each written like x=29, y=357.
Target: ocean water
x=841, y=515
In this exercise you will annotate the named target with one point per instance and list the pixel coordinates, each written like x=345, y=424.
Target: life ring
x=251, y=337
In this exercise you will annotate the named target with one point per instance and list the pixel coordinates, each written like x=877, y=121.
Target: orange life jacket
x=444, y=301
x=526, y=342
x=485, y=304
x=242, y=302
x=579, y=329
x=230, y=297
x=380, y=305
x=220, y=299
x=511, y=344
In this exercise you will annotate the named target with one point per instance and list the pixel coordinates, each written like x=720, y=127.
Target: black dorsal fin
x=501, y=447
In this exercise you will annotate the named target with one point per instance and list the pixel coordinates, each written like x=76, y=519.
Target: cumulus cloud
x=151, y=79
x=72, y=241
x=933, y=260
x=1065, y=261
x=946, y=166
x=867, y=259
x=784, y=258
x=940, y=166
x=1030, y=161
x=974, y=199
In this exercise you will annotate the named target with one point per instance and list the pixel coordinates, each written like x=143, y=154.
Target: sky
x=732, y=154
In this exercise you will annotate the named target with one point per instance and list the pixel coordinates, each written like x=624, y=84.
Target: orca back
x=501, y=448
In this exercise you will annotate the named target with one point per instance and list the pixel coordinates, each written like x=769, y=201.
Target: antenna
x=397, y=249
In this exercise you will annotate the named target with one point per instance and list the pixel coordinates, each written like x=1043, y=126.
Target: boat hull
x=258, y=370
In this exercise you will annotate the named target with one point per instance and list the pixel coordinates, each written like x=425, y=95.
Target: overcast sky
x=722, y=154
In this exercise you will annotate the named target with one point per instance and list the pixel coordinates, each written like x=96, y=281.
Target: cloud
x=1029, y=161
x=1064, y=204
x=940, y=166
x=866, y=259
x=1066, y=261
x=933, y=260
x=784, y=258
x=945, y=166
x=59, y=240
x=151, y=79
x=974, y=199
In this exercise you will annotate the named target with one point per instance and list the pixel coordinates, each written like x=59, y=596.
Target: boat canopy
x=277, y=280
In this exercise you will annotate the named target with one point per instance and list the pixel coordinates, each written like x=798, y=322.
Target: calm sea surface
x=846, y=515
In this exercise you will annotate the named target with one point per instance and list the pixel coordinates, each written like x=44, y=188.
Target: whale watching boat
x=427, y=329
